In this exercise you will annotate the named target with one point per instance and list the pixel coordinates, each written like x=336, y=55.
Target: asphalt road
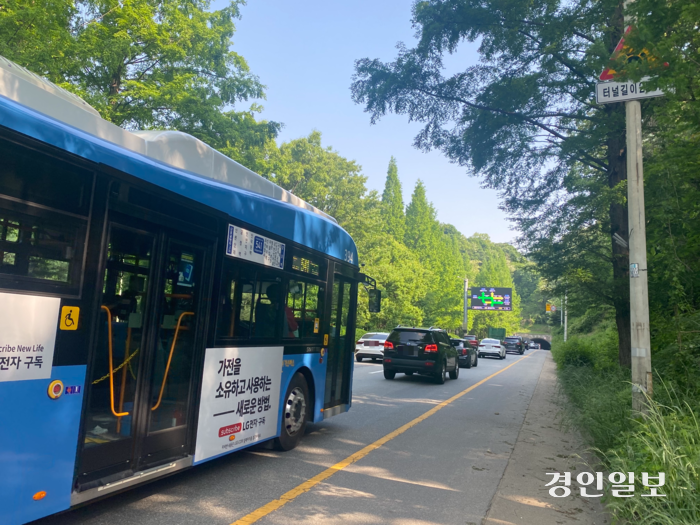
x=443, y=470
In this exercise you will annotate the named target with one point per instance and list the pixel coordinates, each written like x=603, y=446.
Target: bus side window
x=267, y=306
x=250, y=302
x=303, y=306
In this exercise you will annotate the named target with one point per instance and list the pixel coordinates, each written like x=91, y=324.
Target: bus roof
x=169, y=159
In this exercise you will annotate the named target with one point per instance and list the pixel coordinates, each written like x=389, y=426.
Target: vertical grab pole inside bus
x=123, y=385
x=111, y=366
x=170, y=357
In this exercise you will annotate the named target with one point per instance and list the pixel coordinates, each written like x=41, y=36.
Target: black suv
x=420, y=350
x=515, y=344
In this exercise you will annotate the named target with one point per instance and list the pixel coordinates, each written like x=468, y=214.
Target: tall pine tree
x=392, y=203
x=420, y=223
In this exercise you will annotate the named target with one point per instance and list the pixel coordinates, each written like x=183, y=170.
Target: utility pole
x=465, y=318
x=639, y=289
x=561, y=312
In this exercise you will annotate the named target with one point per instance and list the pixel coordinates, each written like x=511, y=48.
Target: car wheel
x=455, y=373
x=442, y=374
x=409, y=373
x=502, y=356
x=294, y=413
x=476, y=360
x=374, y=359
x=389, y=374
x=469, y=362
x=358, y=358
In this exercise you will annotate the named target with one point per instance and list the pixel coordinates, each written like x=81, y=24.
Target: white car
x=370, y=346
x=492, y=347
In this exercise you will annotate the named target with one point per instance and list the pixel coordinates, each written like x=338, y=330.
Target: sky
x=304, y=53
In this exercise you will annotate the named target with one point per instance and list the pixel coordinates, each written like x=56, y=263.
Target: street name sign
x=609, y=92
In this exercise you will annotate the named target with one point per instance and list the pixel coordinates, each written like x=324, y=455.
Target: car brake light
x=388, y=345
x=464, y=351
x=497, y=346
x=360, y=341
x=431, y=349
x=387, y=360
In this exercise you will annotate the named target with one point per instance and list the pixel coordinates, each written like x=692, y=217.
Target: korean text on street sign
x=609, y=92
x=548, y=308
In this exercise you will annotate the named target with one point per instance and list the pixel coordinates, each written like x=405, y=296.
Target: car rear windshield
x=470, y=337
x=412, y=336
x=456, y=342
x=491, y=341
x=512, y=340
x=374, y=336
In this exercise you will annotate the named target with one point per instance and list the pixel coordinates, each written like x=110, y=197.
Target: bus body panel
x=38, y=443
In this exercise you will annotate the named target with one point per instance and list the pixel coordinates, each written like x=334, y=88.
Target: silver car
x=492, y=347
x=370, y=346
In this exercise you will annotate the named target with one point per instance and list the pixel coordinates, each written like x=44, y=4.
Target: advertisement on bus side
x=239, y=400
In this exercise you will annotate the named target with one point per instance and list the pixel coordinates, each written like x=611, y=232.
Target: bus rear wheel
x=294, y=413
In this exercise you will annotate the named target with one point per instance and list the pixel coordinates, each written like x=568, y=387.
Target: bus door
x=150, y=329
x=341, y=342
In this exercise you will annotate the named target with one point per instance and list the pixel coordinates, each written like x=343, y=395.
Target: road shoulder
x=543, y=446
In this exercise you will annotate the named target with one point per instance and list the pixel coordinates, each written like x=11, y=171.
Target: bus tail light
x=431, y=349
x=388, y=345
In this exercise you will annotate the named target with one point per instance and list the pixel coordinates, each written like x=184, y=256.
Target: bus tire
x=294, y=413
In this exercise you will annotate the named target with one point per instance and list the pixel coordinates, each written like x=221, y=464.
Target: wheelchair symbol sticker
x=69, y=317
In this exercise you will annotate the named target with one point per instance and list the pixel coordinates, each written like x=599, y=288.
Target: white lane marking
x=377, y=372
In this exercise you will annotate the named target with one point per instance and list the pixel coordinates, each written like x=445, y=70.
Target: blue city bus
x=160, y=305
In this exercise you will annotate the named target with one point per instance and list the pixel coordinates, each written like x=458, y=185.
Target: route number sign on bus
x=489, y=298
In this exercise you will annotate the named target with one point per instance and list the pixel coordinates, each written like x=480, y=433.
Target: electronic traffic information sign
x=488, y=298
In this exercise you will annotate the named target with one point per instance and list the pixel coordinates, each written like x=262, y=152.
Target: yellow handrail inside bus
x=170, y=357
x=123, y=387
x=111, y=367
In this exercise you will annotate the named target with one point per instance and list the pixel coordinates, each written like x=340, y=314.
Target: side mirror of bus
x=375, y=300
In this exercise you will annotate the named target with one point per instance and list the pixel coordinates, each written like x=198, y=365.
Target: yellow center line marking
x=309, y=484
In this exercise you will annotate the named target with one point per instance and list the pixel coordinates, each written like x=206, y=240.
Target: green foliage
x=392, y=203
x=667, y=440
x=145, y=64
x=37, y=35
x=597, y=350
x=160, y=63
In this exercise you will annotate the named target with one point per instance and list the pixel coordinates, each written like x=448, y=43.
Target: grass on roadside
x=667, y=440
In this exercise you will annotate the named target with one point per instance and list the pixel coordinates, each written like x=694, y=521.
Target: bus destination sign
x=490, y=298
x=250, y=246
